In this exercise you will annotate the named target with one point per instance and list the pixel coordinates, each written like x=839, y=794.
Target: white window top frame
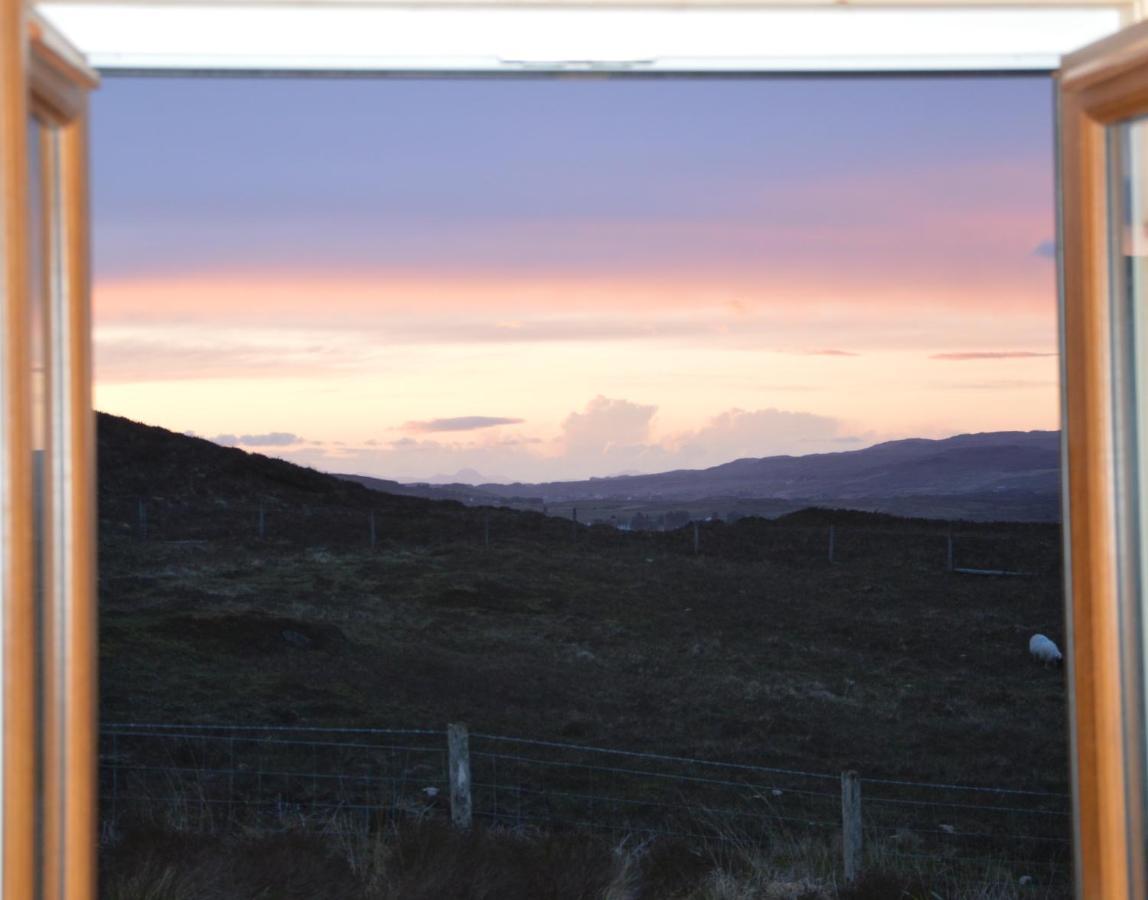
x=639, y=36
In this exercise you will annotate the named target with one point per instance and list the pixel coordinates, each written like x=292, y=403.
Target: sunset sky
x=540, y=279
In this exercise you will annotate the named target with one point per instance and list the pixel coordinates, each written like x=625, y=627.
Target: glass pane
x=1128, y=149
x=38, y=329
x=696, y=414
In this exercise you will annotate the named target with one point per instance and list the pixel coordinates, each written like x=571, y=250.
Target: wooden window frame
x=48, y=725
x=48, y=694
x=1098, y=88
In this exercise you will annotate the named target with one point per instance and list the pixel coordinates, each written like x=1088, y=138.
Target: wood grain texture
x=58, y=86
x=47, y=690
x=76, y=639
x=17, y=646
x=1098, y=87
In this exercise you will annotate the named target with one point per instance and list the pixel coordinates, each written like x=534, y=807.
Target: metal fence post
x=458, y=760
x=851, y=825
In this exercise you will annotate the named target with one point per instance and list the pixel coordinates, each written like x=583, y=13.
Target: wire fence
x=840, y=537
x=210, y=776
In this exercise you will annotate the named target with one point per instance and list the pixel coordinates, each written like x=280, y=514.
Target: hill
x=993, y=476
x=532, y=626
x=241, y=590
x=461, y=493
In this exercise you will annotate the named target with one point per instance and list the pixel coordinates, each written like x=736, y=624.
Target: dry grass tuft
x=426, y=859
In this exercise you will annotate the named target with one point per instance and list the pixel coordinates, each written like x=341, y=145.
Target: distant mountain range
x=464, y=493
x=1006, y=475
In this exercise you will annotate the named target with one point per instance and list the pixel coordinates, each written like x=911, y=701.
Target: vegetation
x=756, y=649
x=426, y=860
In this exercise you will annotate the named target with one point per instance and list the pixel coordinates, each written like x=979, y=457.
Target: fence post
x=372, y=521
x=832, y=541
x=458, y=760
x=851, y=825
x=950, y=558
x=486, y=530
x=697, y=540
x=115, y=778
x=262, y=523
x=143, y=519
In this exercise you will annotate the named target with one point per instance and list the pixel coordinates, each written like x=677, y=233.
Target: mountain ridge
x=981, y=439
x=1007, y=475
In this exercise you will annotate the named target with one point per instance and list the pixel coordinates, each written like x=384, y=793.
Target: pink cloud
x=991, y=354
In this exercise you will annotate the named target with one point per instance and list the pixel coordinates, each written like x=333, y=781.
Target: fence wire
x=1000, y=549
x=210, y=775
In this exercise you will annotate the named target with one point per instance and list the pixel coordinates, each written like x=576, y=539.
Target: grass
x=149, y=859
x=892, y=671
x=757, y=650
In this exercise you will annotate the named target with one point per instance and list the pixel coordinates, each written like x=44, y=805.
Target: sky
x=536, y=279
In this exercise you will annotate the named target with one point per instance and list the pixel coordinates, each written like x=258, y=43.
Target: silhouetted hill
x=243, y=590
x=463, y=493
x=238, y=588
x=1002, y=476
x=1010, y=475
x=142, y=460
x=175, y=486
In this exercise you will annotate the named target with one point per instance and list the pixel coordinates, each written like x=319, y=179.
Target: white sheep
x=1044, y=650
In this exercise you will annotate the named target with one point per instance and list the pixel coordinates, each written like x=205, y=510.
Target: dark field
x=756, y=649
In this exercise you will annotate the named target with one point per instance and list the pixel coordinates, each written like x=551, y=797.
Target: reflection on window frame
x=1100, y=88
x=47, y=702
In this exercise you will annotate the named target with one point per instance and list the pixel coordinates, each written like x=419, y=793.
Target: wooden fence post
x=832, y=541
x=458, y=759
x=143, y=519
x=851, y=825
x=697, y=540
x=262, y=523
x=372, y=520
x=486, y=530
x=950, y=560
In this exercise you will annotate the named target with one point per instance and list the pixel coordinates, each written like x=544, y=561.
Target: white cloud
x=271, y=439
x=608, y=436
x=738, y=433
x=606, y=424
